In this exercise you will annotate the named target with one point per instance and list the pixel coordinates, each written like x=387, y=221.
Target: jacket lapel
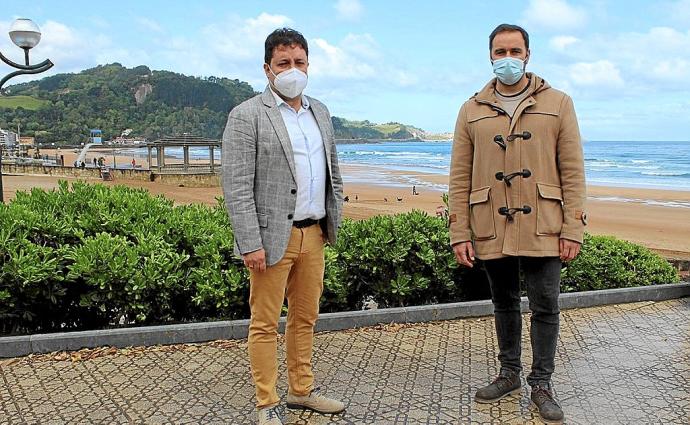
x=279, y=126
x=323, y=121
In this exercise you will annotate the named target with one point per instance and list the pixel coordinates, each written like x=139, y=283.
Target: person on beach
x=517, y=196
x=284, y=195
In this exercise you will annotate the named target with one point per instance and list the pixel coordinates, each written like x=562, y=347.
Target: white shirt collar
x=280, y=101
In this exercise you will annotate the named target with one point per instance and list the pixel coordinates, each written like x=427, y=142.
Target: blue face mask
x=509, y=70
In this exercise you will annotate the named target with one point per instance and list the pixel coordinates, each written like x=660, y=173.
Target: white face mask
x=290, y=83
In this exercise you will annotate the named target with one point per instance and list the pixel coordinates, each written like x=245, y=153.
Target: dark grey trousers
x=542, y=277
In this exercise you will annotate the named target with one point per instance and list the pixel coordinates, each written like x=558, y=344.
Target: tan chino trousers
x=298, y=276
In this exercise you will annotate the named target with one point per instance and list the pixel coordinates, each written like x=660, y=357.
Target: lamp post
x=26, y=35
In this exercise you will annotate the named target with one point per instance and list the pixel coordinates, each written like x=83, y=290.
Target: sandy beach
x=658, y=219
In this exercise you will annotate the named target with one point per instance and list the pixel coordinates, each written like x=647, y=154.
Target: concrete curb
x=15, y=346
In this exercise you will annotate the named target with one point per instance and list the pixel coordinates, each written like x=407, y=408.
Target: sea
x=628, y=164
x=633, y=164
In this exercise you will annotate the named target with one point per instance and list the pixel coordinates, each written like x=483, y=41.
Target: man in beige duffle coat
x=517, y=195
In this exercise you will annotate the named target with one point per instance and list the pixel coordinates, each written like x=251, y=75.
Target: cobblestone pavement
x=625, y=364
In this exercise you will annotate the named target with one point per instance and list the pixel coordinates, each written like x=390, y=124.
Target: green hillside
x=114, y=98
x=63, y=108
x=345, y=129
x=26, y=102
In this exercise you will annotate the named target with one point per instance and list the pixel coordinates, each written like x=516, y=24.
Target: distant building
x=26, y=141
x=96, y=136
x=8, y=137
x=126, y=141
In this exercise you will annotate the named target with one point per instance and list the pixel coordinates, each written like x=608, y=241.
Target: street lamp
x=26, y=35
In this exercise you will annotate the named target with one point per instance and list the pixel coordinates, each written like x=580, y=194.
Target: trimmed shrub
x=606, y=262
x=89, y=256
x=395, y=260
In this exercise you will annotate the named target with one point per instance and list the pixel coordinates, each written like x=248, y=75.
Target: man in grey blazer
x=283, y=191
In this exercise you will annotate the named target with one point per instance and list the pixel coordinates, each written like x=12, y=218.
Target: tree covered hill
x=345, y=129
x=114, y=98
x=63, y=108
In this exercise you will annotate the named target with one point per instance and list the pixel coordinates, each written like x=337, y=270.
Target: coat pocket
x=541, y=112
x=549, y=209
x=474, y=117
x=482, y=214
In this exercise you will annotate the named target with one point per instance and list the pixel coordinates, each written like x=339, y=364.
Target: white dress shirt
x=310, y=159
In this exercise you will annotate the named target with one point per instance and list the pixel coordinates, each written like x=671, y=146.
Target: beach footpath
x=626, y=363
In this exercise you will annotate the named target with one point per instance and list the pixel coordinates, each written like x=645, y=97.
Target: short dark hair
x=283, y=37
x=508, y=27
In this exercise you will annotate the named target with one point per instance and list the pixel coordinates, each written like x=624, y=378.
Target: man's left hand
x=569, y=249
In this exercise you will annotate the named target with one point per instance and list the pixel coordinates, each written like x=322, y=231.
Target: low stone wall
x=186, y=179
x=42, y=170
x=14, y=346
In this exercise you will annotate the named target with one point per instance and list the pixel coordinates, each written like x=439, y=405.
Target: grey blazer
x=259, y=181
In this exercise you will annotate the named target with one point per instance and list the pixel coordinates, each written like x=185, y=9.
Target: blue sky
x=625, y=63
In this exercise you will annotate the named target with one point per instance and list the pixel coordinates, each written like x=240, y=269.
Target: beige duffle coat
x=527, y=213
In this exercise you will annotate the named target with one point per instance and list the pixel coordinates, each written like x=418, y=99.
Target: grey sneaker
x=549, y=410
x=315, y=401
x=507, y=382
x=269, y=416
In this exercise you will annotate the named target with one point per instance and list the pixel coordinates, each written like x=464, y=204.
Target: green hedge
x=90, y=256
x=606, y=262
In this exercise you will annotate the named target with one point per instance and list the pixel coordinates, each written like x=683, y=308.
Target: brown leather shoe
x=549, y=411
x=315, y=401
x=507, y=382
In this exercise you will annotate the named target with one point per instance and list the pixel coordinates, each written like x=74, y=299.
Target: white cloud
x=232, y=46
x=349, y=10
x=363, y=44
x=149, y=24
x=561, y=42
x=553, y=15
x=328, y=60
x=242, y=39
x=672, y=70
x=126, y=57
x=652, y=61
x=356, y=58
x=596, y=74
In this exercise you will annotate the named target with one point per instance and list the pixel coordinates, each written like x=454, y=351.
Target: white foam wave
x=671, y=204
x=665, y=173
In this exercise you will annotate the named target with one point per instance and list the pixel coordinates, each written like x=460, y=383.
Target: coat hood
x=488, y=93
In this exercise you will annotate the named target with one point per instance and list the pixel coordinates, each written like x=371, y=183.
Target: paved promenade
x=627, y=364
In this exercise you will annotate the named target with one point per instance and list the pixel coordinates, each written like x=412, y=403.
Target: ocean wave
x=403, y=166
x=396, y=154
x=665, y=173
x=613, y=166
x=413, y=166
x=671, y=204
x=664, y=183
